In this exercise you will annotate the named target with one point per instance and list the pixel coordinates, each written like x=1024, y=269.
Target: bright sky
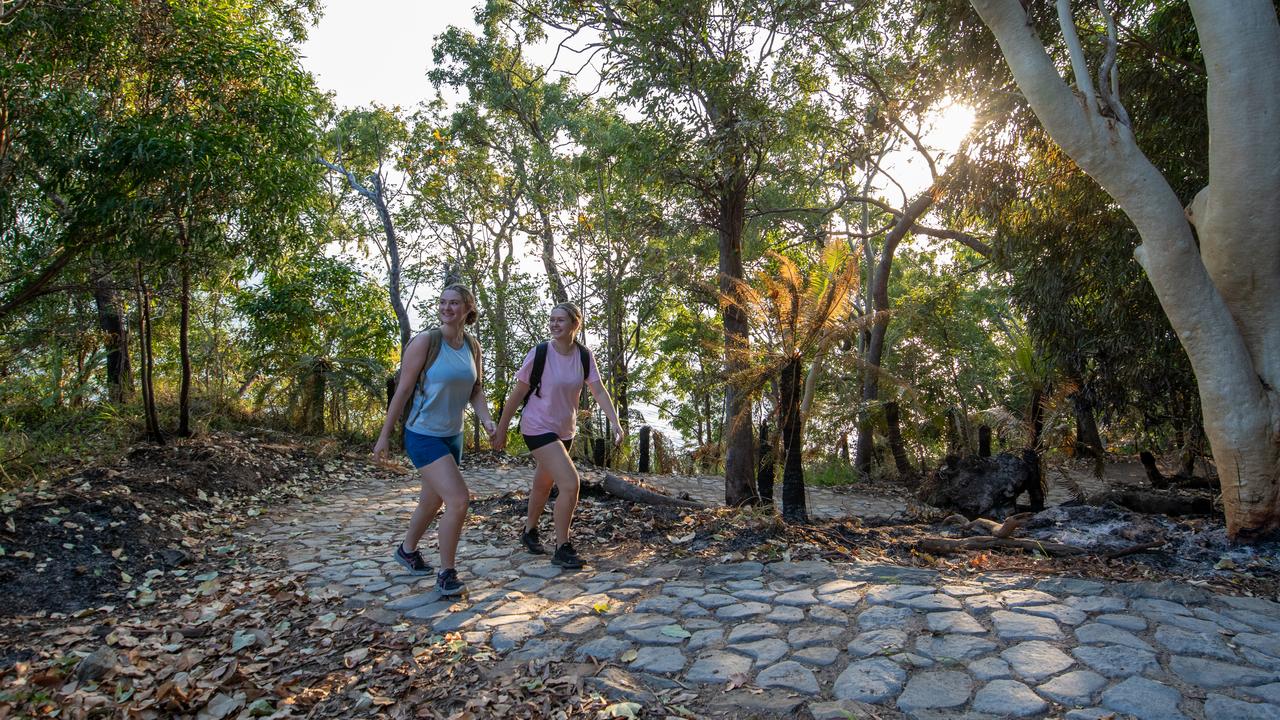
x=379, y=50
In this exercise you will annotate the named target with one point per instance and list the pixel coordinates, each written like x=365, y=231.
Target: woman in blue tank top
x=433, y=429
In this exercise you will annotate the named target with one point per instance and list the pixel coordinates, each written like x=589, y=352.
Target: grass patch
x=829, y=472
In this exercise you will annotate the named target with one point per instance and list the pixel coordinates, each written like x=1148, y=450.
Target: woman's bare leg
x=445, y=481
x=538, y=494
x=554, y=460
x=429, y=502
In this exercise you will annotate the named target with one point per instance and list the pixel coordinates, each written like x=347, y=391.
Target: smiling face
x=562, y=325
x=453, y=308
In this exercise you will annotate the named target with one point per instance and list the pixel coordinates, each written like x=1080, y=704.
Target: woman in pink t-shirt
x=548, y=422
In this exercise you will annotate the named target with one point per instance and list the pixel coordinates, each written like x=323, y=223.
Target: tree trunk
x=739, y=462
x=1220, y=295
x=875, y=346
x=1088, y=439
x=899, y=449
x=115, y=338
x=765, y=470
x=645, y=432
x=184, y=332
x=150, y=417
x=1154, y=476
x=1189, y=451
x=394, y=267
x=617, y=358
x=313, y=407
x=791, y=390
x=1036, y=419
x=558, y=292
x=984, y=441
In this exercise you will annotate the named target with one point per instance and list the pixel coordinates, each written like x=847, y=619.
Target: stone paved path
x=825, y=635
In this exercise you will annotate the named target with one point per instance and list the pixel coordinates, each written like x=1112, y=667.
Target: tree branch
x=1108, y=73
x=1079, y=66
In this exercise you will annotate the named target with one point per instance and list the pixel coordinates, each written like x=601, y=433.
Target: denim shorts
x=533, y=442
x=426, y=449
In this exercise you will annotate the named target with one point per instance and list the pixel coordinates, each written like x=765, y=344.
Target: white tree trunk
x=1224, y=305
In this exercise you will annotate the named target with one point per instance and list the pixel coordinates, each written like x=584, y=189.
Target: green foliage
x=831, y=471
x=1067, y=248
x=323, y=337
x=142, y=138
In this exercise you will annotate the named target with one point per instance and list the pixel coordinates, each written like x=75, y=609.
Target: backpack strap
x=474, y=346
x=434, y=338
x=540, y=364
x=535, y=375
x=585, y=355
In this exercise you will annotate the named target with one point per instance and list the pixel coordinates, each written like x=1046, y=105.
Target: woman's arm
x=508, y=412
x=479, y=402
x=415, y=356
x=601, y=394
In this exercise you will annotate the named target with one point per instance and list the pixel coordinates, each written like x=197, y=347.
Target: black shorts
x=536, y=441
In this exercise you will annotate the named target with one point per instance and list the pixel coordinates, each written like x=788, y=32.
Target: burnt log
x=635, y=492
x=1157, y=503
x=985, y=487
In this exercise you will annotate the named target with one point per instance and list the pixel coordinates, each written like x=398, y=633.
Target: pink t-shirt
x=556, y=411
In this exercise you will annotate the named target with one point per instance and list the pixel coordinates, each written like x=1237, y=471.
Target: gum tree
x=1222, y=293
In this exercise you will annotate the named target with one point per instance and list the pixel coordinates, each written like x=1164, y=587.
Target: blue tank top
x=442, y=394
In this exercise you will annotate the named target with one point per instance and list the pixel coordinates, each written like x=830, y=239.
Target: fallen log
x=1156, y=503
x=627, y=490
x=951, y=546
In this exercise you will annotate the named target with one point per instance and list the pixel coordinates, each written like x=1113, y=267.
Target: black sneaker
x=566, y=557
x=412, y=561
x=529, y=538
x=447, y=583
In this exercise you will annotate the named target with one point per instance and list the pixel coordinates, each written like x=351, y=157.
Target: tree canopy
x=749, y=199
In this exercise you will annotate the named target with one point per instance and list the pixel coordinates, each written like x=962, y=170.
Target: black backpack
x=540, y=363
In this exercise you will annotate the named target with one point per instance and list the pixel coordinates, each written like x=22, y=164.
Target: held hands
x=382, y=451
x=495, y=442
x=617, y=435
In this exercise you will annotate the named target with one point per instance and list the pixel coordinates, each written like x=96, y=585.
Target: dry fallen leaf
x=354, y=657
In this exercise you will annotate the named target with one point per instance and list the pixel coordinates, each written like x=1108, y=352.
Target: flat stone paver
x=936, y=691
x=1035, y=660
x=1008, y=698
x=1144, y=699
x=1074, y=688
x=789, y=675
x=871, y=681
x=717, y=667
x=833, y=636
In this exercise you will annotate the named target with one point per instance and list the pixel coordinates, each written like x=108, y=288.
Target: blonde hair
x=467, y=298
x=574, y=313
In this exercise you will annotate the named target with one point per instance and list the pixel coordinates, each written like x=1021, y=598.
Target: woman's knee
x=457, y=502
x=568, y=482
x=543, y=481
